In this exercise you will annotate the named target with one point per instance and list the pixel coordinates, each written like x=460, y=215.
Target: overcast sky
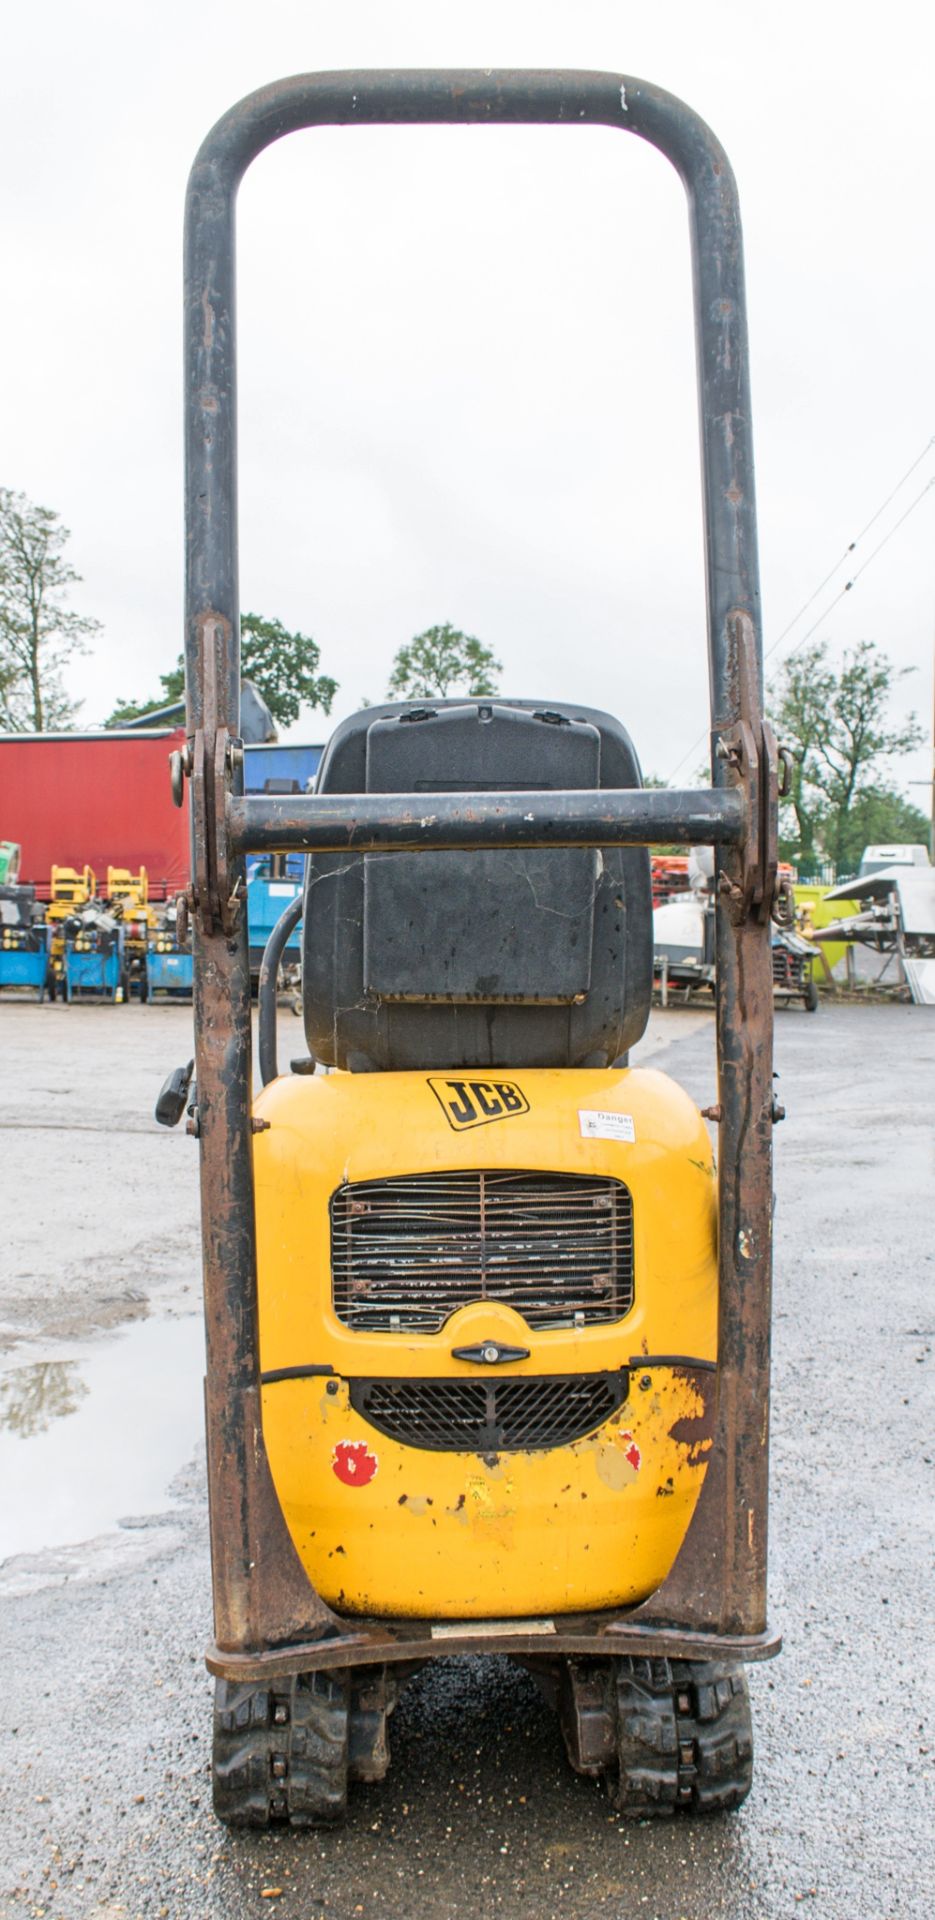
x=467, y=382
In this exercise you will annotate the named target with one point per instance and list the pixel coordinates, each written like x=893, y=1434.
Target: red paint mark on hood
x=631, y=1452
x=354, y=1463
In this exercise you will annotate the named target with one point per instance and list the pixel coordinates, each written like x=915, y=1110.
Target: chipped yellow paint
x=611, y=1464
x=593, y=1524
x=418, y=1504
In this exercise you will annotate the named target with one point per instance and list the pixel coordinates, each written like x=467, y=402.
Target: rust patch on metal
x=695, y=1431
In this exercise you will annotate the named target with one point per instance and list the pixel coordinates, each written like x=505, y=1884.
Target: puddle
x=90, y=1438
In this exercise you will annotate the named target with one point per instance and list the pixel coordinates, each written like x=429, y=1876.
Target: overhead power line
x=917, y=462
x=852, y=582
x=848, y=585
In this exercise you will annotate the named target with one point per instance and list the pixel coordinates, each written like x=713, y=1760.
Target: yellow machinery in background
x=812, y=913
x=127, y=896
x=69, y=889
x=131, y=889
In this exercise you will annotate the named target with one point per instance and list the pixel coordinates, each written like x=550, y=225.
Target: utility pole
x=930, y=783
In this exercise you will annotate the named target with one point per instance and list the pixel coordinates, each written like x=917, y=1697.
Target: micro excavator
x=487, y=1329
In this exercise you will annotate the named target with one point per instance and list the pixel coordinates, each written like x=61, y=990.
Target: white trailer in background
x=899, y=917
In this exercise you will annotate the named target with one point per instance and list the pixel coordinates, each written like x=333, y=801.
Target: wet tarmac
x=104, y=1600
x=91, y=1432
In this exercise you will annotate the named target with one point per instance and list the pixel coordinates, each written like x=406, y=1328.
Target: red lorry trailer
x=97, y=800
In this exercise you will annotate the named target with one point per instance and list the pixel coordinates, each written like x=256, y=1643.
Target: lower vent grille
x=490, y=1416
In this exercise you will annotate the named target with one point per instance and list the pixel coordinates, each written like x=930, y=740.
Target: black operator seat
x=512, y=958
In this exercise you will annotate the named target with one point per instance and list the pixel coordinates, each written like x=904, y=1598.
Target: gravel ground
x=104, y=1783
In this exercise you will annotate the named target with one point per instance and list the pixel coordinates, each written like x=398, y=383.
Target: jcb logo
x=472, y=1103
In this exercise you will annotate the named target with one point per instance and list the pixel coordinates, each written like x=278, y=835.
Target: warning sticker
x=597, y=1125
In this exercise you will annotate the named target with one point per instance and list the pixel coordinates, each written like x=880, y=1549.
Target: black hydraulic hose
x=266, y=991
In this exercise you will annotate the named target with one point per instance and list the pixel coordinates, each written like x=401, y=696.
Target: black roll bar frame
x=267, y=1616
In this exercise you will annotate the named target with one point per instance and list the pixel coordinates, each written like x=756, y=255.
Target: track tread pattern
x=281, y=1753
x=684, y=1737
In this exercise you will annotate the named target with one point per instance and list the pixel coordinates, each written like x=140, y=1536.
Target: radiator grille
x=490, y=1416
x=406, y=1253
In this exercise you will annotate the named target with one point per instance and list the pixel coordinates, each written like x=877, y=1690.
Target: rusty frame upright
x=268, y=1619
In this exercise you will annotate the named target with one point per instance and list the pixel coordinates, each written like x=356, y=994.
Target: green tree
x=282, y=666
x=173, y=690
x=801, y=704
x=840, y=733
x=879, y=816
x=443, y=661
x=39, y=632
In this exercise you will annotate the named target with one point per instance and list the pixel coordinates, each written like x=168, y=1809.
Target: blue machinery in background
x=273, y=883
x=24, y=958
x=93, y=964
x=169, y=969
x=268, y=896
x=280, y=769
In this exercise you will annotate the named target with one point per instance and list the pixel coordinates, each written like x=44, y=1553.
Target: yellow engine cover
x=398, y=1529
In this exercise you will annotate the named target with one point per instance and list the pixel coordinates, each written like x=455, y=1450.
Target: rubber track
x=684, y=1737
x=281, y=1754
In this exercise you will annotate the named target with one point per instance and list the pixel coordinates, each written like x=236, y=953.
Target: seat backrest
x=539, y=957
